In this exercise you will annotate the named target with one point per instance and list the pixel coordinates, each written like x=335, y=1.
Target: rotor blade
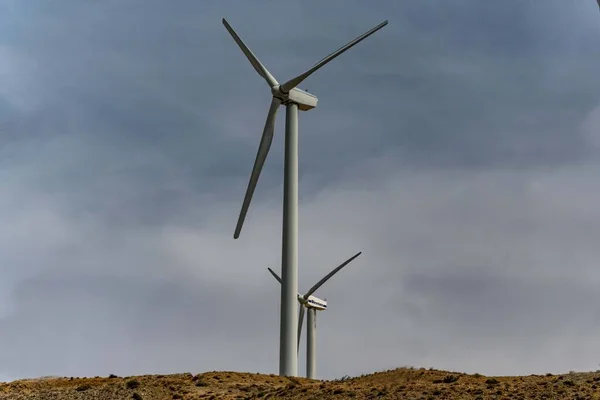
x=279, y=280
x=261, y=156
x=261, y=69
x=292, y=83
x=274, y=275
x=329, y=275
x=300, y=319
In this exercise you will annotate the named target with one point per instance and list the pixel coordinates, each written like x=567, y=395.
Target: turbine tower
x=294, y=99
x=312, y=305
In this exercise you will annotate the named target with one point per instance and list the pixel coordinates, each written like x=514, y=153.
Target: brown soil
x=403, y=383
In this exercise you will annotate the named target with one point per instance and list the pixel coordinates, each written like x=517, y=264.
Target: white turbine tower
x=312, y=304
x=294, y=99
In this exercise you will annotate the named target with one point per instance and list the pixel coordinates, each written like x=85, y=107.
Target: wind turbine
x=312, y=304
x=293, y=99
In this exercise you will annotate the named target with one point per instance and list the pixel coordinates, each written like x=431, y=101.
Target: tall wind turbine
x=294, y=99
x=312, y=304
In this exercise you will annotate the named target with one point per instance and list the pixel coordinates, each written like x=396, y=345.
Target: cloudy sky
x=458, y=148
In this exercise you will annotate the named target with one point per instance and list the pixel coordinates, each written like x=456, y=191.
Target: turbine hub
x=276, y=92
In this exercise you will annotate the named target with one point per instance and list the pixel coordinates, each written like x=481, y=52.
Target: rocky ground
x=403, y=383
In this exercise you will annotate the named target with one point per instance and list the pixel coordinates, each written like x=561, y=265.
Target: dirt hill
x=403, y=383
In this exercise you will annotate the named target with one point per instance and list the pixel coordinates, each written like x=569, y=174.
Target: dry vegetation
x=403, y=383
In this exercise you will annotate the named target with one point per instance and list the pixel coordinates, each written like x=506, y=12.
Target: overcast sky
x=458, y=148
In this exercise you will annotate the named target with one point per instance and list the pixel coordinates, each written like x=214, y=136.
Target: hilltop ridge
x=401, y=383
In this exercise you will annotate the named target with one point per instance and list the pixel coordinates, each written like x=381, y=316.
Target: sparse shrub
x=136, y=396
x=342, y=379
x=338, y=391
x=477, y=375
x=492, y=381
x=447, y=379
x=450, y=379
x=83, y=388
x=569, y=383
x=293, y=380
x=177, y=396
x=437, y=392
x=201, y=383
x=112, y=376
x=132, y=384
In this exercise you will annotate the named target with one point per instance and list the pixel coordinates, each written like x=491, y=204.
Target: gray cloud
x=457, y=148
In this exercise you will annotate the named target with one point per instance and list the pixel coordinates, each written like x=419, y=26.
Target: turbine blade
x=292, y=83
x=261, y=69
x=300, y=320
x=274, y=275
x=329, y=275
x=279, y=280
x=261, y=156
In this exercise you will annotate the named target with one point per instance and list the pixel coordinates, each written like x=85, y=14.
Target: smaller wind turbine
x=312, y=304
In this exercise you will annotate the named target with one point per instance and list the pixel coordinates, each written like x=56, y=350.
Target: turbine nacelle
x=312, y=302
x=316, y=303
x=305, y=101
